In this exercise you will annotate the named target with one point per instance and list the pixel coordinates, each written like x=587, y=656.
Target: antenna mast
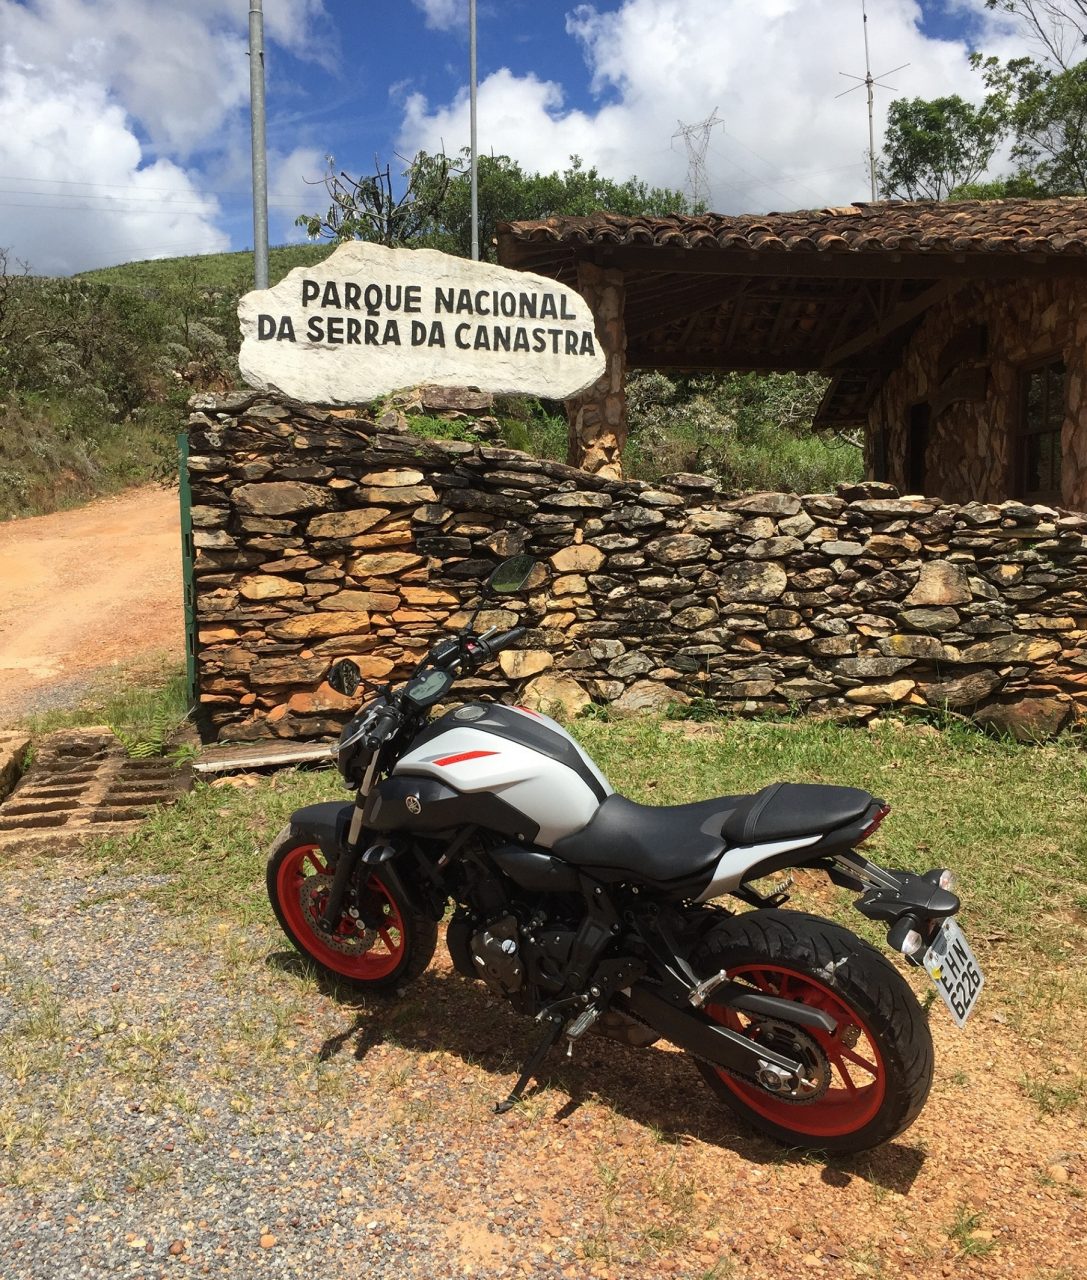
x=696, y=138
x=869, y=81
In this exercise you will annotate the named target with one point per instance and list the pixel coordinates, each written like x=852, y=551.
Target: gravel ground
x=179, y=1098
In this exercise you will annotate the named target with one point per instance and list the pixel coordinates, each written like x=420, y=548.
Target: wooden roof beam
x=901, y=315
x=872, y=265
x=641, y=319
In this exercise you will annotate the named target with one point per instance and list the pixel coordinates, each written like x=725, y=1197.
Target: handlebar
x=501, y=641
x=388, y=719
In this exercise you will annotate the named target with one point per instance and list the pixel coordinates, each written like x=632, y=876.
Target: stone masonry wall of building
x=318, y=536
x=968, y=455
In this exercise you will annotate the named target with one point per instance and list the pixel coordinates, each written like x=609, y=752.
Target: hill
x=209, y=271
x=96, y=369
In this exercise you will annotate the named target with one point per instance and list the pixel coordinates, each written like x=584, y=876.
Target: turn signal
x=912, y=943
x=948, y=881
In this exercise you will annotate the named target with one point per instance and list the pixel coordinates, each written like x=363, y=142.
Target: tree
x=435, y=209
x=368, y=208
x=1046, y=110
x=932, y=147
x=1058, y=27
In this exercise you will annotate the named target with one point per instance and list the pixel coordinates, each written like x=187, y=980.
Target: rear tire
x=869, y=1079
x=394, y=948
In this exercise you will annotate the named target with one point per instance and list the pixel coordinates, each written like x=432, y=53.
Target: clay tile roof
x=1049, y=227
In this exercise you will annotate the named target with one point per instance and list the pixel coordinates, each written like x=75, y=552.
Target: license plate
x=954, y=969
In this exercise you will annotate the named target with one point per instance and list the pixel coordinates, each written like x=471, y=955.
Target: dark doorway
x=917, y=448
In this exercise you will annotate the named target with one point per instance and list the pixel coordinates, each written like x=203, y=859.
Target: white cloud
x=292, y=191
x=75, y=192
x=104, y=104
x=444, y=15
x=771, y=68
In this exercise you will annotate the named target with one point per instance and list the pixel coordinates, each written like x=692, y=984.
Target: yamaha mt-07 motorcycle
x=588, y=911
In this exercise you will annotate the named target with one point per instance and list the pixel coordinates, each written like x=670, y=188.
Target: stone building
x=953, y=334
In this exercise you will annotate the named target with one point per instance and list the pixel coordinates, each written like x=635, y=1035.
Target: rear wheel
x=866, y=1081
x=387, y=945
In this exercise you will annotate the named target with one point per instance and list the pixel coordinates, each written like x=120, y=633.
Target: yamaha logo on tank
x=413, y=804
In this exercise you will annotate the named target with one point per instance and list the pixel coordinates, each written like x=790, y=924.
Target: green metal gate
x=187, y=558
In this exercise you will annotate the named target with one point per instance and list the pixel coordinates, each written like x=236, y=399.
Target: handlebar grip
x=504, y=639
x=387, y=719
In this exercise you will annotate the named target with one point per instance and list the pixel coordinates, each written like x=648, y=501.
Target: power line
x=125, y=186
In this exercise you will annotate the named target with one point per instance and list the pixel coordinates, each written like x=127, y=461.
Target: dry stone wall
x=319, y=536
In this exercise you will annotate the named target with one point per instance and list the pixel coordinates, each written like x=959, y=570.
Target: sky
x=124, y=124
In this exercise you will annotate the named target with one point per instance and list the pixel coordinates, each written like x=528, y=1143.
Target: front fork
x=347, y=862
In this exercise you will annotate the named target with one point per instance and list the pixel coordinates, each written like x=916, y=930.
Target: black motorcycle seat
x=791, y=810
x=655, y=842
x=672, y=842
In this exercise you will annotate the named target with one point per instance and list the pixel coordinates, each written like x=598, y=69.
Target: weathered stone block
x=347, y=524
x=280, y=497
x=578, y=559
x=310, y=626
x=752, y=580
x=1011, y=648
x=519, y=664
x=929, y=619
x=940, y=583
x=679, y=548
x=881, y=695
x=383, y=564
x=918, y=646
x=269, y=587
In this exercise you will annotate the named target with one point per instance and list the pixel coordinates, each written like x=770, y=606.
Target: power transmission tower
x=869, y=81
x=696, y=138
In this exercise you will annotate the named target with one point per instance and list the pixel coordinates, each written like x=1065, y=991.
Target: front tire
x=389, y=946
x=868, y=1080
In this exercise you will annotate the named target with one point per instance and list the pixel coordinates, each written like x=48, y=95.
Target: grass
x=1007, y=818
x=139, y=706
x=967, y=1232
x=1056, y=1095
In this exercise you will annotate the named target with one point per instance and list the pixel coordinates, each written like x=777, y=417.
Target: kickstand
x=530, y=1068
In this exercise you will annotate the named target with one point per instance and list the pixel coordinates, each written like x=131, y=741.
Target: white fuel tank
x=526, y=758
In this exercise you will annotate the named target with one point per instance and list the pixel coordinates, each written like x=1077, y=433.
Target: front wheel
x=389, y=943
x=864, y=1083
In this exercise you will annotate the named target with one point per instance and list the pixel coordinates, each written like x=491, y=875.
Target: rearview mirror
x=511, y=575
x=345, y=677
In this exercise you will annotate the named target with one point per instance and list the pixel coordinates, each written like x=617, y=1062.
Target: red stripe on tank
x=464, y=755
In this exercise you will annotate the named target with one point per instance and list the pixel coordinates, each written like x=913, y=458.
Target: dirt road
x=83, y=592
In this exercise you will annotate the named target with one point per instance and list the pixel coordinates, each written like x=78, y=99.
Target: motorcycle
x=587, y=911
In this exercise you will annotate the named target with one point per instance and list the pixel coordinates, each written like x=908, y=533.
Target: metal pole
x=472, y=99
x=260, y=155
x=871, y=127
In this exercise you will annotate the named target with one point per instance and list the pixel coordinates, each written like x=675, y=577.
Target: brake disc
x=314, y=896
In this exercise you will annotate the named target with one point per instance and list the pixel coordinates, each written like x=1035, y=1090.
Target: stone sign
x=369, y=320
